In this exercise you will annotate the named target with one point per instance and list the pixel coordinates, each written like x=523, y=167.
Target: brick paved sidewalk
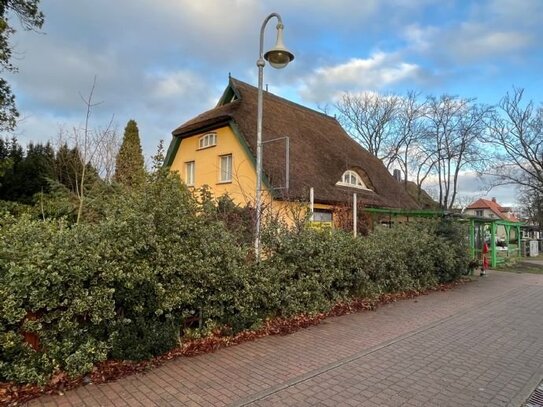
x=478, y=345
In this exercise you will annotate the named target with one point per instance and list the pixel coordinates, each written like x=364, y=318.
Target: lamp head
x=279, y=56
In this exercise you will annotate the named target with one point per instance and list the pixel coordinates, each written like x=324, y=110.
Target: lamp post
x=278, y=57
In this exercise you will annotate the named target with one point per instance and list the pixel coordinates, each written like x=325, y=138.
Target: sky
x=161, y=62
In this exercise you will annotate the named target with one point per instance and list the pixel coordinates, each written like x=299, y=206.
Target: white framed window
x=189, y=173
x=207, y=140
x=225, y=168
x=479, y=212
x=352, y=179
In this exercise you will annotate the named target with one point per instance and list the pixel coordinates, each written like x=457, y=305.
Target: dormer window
x=207, y=140
x=352, y=179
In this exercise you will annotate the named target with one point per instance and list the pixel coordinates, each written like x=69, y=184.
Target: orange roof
x=494, y=207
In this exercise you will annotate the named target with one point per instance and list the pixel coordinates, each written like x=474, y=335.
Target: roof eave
x=201, y=127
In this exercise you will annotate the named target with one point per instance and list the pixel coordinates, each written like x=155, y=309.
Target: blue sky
x=161, y=62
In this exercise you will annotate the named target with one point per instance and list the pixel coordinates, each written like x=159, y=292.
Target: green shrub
x=119, y=287
x=309, y=270
x=172, y=262
x=123, y=283
x=452, y=249
x=47, y=269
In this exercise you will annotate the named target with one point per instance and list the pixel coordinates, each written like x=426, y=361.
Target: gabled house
x=485, y=208
x=302, y=150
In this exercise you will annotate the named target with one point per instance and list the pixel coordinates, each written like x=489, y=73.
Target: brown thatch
x=320, y=150
x=424, y=199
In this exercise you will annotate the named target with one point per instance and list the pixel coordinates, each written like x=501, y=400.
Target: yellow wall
x=207, y=165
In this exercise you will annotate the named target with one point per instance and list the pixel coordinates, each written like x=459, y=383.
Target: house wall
x=487, y=213
x=207, y=166
x=294, y=212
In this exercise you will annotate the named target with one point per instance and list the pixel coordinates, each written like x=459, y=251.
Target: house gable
x=207, y=164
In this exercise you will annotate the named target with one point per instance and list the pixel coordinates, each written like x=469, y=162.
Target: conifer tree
x=25, y=175
x=129, y=164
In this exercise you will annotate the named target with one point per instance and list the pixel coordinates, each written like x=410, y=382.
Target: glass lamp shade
x=278, y=58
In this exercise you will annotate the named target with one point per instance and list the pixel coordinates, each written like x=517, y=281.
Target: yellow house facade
x=305, y=154
x=218, y=159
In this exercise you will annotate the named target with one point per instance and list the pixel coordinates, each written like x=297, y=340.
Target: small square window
x=189, y=173
x=226, y=168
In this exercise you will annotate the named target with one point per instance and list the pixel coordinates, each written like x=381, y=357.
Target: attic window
x=352, y=179
x=207, y=140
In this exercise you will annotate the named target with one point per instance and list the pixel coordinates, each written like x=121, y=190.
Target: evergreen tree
x=68, y=167
x=129, y=164
x=5, y=160
x=27, y=174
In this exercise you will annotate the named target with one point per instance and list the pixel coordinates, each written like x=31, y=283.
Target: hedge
x=124, y=285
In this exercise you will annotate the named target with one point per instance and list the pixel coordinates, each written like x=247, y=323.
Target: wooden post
x=472, y=238
x=32, y=338
x=518, y=241
x=493, y=245
x=507, y=237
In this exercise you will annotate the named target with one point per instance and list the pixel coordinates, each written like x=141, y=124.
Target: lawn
x=526, y=266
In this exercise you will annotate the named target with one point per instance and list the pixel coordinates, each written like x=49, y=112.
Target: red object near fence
x=484, y=265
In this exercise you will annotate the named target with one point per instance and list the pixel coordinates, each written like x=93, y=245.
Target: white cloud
x=355, y=75
x=176, y=84
x=420, y=39
x=472, y=187
x=494, y=30
x=514, y=12
x=474, y=41
x=162, y=62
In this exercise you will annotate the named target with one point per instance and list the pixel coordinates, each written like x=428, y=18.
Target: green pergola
x=478, y=224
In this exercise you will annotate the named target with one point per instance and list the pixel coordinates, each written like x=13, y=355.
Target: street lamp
x=278, y=57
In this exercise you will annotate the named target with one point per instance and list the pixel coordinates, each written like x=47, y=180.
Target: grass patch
x=522, y=267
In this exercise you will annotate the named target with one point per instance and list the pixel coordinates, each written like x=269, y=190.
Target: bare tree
x=421, y=164
x=531, y=205
x=410, y=132
x=516, y=134
x=95, y=150
x=454, y=126
x=462, y=202
x=369, y=119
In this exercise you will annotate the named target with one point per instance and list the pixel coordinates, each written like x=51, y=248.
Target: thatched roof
x=424, y=199
x=320, y=150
